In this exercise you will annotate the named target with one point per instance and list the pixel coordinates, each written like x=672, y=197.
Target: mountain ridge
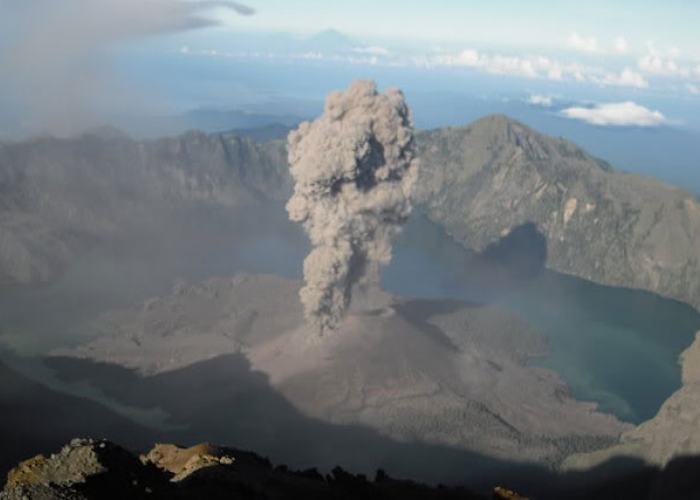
x=486, y=179
x=480, y=181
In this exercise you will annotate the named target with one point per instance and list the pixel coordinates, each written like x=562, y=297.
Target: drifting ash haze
x=57, y=55
x=354, y=170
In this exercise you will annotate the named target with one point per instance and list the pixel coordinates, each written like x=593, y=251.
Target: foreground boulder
x=83, y=469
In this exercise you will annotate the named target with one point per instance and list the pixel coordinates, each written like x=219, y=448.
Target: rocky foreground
x=87, y=469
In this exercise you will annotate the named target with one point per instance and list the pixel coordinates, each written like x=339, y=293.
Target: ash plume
x=354, y=170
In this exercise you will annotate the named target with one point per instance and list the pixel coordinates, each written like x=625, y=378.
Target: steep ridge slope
x=60, y=196
x=481, y=182
x=485, y=180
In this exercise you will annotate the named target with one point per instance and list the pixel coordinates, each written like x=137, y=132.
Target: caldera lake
x=614, y=346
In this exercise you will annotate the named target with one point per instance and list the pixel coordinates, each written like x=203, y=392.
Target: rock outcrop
x=183, y=462
x=83, y=469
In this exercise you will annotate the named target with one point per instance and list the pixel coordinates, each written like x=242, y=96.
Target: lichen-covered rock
x=74, y=464
x=500, y=493
x=183, y=462
x=80, y=470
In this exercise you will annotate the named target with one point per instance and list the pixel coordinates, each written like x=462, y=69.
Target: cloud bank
x=535, y=67
x=620, y=45
x=354, y=170
x=626, y=78
x=540, y=100
x=662, y=62
x=620, y=114
x=588, y=45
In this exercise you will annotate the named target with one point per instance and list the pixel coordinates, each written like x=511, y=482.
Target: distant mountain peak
x=330, y=40
x=503, y=131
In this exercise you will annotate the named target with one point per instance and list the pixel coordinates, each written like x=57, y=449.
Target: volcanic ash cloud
x=354, y=170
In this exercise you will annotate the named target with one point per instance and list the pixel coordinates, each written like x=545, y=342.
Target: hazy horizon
x=629, y=94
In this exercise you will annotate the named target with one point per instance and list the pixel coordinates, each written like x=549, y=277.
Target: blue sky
x=636, y=45
x=607, y=59
x=612, y=58
x=515, y=23
x=622, y=78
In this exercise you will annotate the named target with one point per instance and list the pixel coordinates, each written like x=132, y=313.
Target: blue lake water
x=615, y=346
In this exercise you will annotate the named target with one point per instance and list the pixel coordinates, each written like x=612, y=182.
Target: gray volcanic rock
x=195, y=323
x=485, y=180
x=674, y=432
x=80, y=470
x=443, y=373
x=60, y=196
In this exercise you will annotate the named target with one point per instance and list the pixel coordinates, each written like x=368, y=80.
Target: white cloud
x=540, y=100
x=662, y=62
x=362, y=61
x=534, y=66
x=582, y=44
x=185, y=50
x=531, y=66
x=309, y=56
x=555, y=73
x=512, y=65
x=626, y=78
x=620, y=44
x=373, y=50
x=468, y=58
x=617, y=114
x=692, y=88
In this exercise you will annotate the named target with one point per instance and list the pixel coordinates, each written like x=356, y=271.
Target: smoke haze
x=55, y=53
x=354, y=170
